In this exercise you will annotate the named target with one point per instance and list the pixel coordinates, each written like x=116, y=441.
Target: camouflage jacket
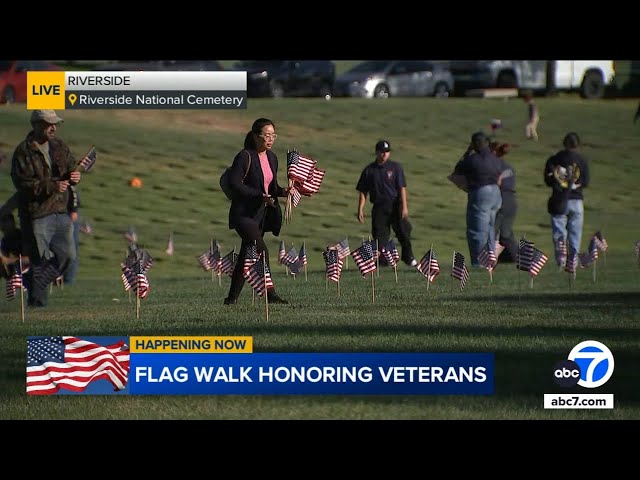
x=35, y=180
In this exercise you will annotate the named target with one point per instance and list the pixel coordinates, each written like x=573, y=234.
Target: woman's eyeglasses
x=269, y=136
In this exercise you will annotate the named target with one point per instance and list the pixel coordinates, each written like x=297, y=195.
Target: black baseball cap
x=383, y=146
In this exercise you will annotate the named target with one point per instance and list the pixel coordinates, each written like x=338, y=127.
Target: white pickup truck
x=589, y=77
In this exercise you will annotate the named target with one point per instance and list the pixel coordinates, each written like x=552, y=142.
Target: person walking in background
x=42, y=170
x=477, y=173
x=384, y=181
x=255, y=209
x=533, y=117
x=507, y=213
x=567, y=173
x=69, y=276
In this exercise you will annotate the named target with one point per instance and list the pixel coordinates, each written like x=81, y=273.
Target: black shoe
x=230, y=301
x=273, y=297
x=412, y=262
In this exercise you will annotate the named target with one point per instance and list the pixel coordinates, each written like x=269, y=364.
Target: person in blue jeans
x=567, y=173
x=477, y=173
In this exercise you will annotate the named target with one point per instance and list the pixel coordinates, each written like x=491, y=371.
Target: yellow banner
x=45, y=90
x=191, y=344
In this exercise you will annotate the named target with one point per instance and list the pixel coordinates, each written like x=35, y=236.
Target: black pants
x=504, y=226
x=251, y=233
x=384, y=217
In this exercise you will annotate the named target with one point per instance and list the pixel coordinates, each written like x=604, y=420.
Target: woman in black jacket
x=255, y=209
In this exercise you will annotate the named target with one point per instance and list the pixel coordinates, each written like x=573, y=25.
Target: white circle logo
x=595, y=361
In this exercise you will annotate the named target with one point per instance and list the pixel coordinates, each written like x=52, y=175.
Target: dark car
x=288, y=78
x=160, y=65
x=13, y=78
x=395, y=78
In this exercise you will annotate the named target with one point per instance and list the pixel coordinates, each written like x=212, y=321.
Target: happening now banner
x=227, y=365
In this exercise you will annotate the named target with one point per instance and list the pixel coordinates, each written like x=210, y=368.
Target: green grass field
x=179, y=155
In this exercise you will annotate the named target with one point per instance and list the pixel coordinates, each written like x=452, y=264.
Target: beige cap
x=49, y=116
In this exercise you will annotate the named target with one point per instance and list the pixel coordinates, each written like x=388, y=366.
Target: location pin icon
x=72, y=98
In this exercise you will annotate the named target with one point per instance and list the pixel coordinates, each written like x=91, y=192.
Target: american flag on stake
x=365, y=258
x=259, y=276
x=14, y=281
x=282, y=251
x=89, y=160
x=228, y=263
x=70, y=363
x=459, y=269
x=390, y=253
x=343, y=248
x=429, y=266
x=600, y=241
x=131, y=235
x=333, y=264
x=487, y=258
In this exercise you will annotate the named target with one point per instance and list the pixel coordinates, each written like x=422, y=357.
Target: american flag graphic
x=299, y=167
x=14, y=281
x=70, y=363
x=459, y=269
x=487, y=258
x=333, y=264
x=169, y=249
x=429, y=266
x=259, y=276
x=364, y=258
x=228, y=263
x=390, y=253
x=89, y=160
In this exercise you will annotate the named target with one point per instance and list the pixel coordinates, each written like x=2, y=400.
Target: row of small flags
x=569, y=259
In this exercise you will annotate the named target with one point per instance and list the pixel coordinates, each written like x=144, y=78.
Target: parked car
x=160, y=65
x=288, y=78
x=13, y=78
x=395, y=78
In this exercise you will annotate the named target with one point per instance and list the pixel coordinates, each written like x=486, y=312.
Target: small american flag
x=251, y=257
x=600, y=241
x=429, y=266
x=390, y=253
x=228, y=262
x=209, y=260
x=89, y=160
x=343, y=248
x=312, y=184
x=70, y=363
x=572, y=261
x=299, y=167
x=525, y=255
x=537, y=262
x=302, y=256
x=259, y=276
x=561, y=252
x=85, y=227
x=131, y=235
x=295, y=196
x=459, y=269
x=364, y=258
x=14, y=281
x=44, y=274
x=487, y=258
x=282, y=251
x=290, y=257
x=333, y=264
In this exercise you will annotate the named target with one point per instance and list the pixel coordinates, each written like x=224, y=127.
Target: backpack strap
x=248, y=165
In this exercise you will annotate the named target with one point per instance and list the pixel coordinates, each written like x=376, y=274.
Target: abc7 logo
x=590, y=365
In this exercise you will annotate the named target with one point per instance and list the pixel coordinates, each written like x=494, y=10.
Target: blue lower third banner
x=313, y=374
x=227, y=365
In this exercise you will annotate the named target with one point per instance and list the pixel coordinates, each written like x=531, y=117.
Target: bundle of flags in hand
x=89, y=160
x=304, y=179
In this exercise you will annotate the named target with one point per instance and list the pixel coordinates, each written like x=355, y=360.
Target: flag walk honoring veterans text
x=70, y=363
x=429, y=266
x=459, y=269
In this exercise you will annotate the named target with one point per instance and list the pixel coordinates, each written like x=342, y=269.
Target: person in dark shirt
x=384, y=181
x=477, y=173
x=507, y=213
x=567, y=173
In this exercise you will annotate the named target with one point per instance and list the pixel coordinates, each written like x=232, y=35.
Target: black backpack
x=225, y=183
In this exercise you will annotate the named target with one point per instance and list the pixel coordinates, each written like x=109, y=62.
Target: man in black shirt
x=384, y=181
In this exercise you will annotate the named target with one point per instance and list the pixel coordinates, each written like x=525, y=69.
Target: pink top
x=266, y=170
